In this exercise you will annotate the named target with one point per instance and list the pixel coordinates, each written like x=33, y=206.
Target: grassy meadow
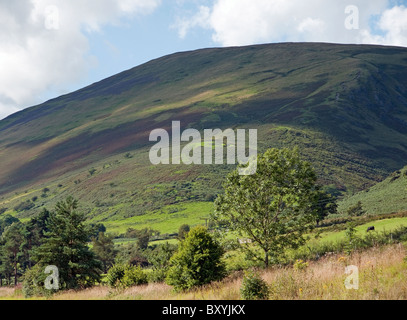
x=382, y=276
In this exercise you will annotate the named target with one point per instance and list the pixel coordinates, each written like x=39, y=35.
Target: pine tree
x=103, y=247
x=65, y=247
x=11, y=253
x=34, y=232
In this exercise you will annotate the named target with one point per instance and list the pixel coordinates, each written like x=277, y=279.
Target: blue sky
x=53, y=47
x=142, y=39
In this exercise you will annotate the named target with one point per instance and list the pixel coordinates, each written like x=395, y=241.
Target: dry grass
x=6, y=292
x=382, y=275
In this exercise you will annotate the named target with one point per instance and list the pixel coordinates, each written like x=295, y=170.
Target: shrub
x=183, y=231
x=254, y=287
x=197, y=262
x=134, y=276
x=300, y=265
x=356, y=210
x=34, y=283
x=24, y=206
x=124, y=276
x=115, y=275
x=160, y=258
x=157, y=276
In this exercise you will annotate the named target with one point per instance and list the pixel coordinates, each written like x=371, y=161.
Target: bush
x=34, y=283
x=157, y=275
x=356, y=210
x=197, y=262
x=115, y=275
x=134, y=276
x=124, y=276
x=300, y=265
x=24, y=206
x=254, y=287
x=160, y=258
x=183, y=231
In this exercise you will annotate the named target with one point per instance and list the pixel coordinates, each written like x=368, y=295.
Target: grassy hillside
x=343, y=105
x=388, y=196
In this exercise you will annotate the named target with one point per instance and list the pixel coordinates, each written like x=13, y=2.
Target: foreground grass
x=382, y=276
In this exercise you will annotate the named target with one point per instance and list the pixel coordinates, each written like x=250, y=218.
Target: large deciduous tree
x=273, y=208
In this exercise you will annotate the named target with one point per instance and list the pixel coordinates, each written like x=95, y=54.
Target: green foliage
x=160, y=259
x=183, y=231
x=103, y=247
x=325, y=205
x=143, y=236
x=34, y=283
x=254, y=287
x=115, y=275
x=134, y=276
x=356, y=210
x=352, y=240
x=124, y=276
x=300, y=265
x=11, y=254
x=66, y=247
x=24, y=206
x=5, y=221
x=273, y=208
x=197, y=261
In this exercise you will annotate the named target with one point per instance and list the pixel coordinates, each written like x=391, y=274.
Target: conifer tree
x=65, y=247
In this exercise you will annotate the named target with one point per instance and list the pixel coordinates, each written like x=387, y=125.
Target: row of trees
x=273, y=208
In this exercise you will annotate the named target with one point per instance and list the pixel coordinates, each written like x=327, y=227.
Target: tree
x=143, y=236
x=5, y=221
x=197, y=262
x=34, y=232
x=325, y=205
x=103, y=247
x=273, y=208
x=356, y=210
x=11, y=253
x=65, y=246
x=160, y=258
x=183, y=231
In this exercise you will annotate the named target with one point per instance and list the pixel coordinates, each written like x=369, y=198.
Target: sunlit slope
x=388, y=196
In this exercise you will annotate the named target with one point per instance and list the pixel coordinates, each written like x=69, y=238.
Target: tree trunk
x=15, y=274
x=266, y=259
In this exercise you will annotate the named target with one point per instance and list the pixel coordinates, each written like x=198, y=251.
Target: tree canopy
x=273, y=208
x=65, y=246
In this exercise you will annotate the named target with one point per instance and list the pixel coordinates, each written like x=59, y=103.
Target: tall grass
x=382, y=275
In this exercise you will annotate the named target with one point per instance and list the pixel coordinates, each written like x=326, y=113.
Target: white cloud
x=200, y=19
x=244, y=22
x=393, y=23
x=43, y=43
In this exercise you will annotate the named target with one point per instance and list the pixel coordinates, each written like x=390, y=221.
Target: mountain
x=345, y=106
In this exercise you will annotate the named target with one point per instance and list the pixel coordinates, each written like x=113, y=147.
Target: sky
x=52, y=47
